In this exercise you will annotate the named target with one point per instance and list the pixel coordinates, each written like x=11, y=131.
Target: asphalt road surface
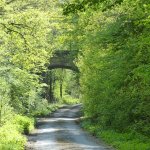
x=61, y=132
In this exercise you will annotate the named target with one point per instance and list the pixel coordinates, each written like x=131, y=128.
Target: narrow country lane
x=60, y=132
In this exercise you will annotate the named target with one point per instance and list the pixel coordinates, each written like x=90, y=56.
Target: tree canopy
x=112, y=43
x=114, y=61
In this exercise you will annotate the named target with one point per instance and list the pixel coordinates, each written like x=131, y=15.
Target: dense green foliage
x=114, y=62
x=46, y=109
x=26, y=45
x=66, y=86
x=113, y=44
x=10, y=133
x=23, y=52
x=121, y=141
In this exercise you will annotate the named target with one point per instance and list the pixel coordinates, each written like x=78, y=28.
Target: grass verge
x=120, y=141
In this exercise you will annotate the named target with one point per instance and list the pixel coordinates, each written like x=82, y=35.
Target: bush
x=45, y=109
x=115, y=66
x=11, y=139
x=11, y=133
x=24, y=124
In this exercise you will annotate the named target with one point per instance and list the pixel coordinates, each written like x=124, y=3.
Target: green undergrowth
x=46, y=110
x=69, y=100
x=11, y=134
x=120, y=141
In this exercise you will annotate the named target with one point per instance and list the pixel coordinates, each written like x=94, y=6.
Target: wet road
x=60, y=132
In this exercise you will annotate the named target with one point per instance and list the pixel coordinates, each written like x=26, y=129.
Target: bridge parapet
x=63, y=59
